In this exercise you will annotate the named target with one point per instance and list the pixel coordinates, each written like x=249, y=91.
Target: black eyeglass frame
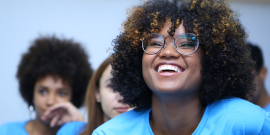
x=164, y=45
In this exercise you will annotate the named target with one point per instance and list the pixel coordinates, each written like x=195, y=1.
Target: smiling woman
x=53, y=71
x=185, y=68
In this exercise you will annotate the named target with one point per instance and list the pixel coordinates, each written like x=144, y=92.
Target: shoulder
x=13, y=124
x=13, y=128
x=72, y=128
x=236, y=115
x=235, y=107
x=132, y=122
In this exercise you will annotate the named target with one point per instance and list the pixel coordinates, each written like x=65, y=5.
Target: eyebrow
x=44, y=87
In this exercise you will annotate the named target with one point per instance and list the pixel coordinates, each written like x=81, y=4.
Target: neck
x=37, y=127
x=263, y=99
x=174, y=114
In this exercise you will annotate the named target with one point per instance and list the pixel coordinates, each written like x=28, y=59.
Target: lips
x=121, y=109
x=168, y=68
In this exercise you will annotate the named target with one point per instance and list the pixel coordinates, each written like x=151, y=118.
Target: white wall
x=256, y=20
x=94, y=23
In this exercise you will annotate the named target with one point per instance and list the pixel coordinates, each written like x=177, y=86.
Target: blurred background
x=92, y=23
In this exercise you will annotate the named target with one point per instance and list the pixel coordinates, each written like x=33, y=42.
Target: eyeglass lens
x=186, y=43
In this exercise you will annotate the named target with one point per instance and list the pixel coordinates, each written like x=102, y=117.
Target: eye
x=155, y=44
x=108, y=85
x=42, y=92
x=62, y=94
x=186, y=45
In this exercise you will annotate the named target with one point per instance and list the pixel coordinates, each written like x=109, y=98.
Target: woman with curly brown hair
x=185, y=68
x=53, y=71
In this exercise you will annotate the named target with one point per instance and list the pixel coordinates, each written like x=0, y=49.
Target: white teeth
x=168, y=67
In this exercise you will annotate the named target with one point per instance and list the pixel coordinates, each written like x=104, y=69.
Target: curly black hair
x=53, y=56
x=226, y=65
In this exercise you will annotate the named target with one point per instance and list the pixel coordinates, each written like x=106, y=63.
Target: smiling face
x=48, y=91
x=170, y=72
x=110, y=101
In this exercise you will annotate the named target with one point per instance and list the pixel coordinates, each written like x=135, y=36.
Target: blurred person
x=52, y=71
x=261, y=96
x=102, y=103
x=184, y=66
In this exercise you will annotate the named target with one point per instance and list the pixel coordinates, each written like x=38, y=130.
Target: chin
x=167, y=87
x=166, y=91
x=44, y=122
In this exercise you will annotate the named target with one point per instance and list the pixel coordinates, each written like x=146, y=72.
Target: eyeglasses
x=185, y=44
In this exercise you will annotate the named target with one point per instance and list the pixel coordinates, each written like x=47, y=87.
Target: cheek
x=39, y=104
x=63, y=99
x=38, y=100
x=146, y=68
x=107, y=98
x=147, y=60
x=194, y=62
x=145, y=71
x=144, y=63
x=195, y=67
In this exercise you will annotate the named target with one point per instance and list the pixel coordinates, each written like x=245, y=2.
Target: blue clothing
x=232, y=116
x=267, y=108
x=16, y=128
x=72, y=128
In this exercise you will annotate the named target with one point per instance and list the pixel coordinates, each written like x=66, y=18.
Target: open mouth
x=168, y=68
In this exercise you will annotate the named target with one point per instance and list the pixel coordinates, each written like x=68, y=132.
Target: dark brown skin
x=179, y=115
x=176, y=107
x=261, y=96
x=48, y=91
x=36, y=127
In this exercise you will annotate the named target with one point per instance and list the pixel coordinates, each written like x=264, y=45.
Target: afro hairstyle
x=58, y=57
x=226, y=64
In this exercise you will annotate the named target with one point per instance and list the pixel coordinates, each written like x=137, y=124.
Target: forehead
x=166, y=27
x=51, y=81
x=106, y=74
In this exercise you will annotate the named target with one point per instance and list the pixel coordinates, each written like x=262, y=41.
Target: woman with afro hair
x=54, y=72
x=185, y=68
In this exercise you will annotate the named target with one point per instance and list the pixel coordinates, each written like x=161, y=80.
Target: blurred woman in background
x=102, y=103
x=52, y=71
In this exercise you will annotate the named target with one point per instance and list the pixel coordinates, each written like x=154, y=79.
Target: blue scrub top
x=15, y=128
x=233, y=116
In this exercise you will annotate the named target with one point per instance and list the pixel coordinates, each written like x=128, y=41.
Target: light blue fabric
x=72, y=128
x=267, y=108
x=16, y=128
x=232, y=116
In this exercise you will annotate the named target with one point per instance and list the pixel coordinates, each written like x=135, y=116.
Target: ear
x=263, y=73
x=97, y=94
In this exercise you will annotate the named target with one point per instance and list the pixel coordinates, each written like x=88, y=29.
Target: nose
x=51, y=99
x=169, y=51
